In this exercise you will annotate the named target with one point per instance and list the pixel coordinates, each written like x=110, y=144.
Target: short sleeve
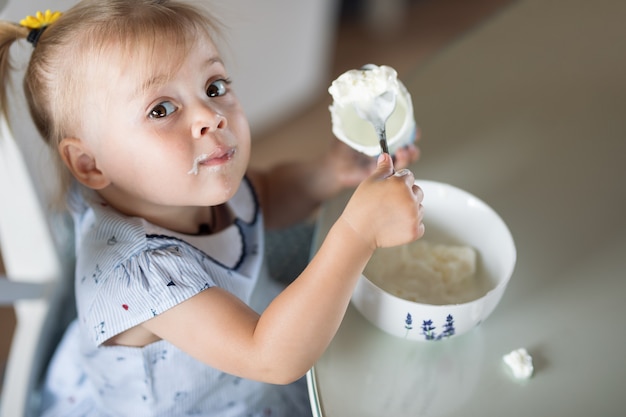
x=145, y=285
x=126, y=273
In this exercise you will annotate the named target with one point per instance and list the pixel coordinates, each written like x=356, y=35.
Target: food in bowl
x=454, y=218
x=429, y=273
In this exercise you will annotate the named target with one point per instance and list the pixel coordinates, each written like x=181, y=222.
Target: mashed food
x=427, y=273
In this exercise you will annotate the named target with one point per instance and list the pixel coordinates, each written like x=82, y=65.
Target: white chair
x=38, y=280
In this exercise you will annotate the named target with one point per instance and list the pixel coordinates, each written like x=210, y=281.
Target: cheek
x=241, y=130
x=139, y=158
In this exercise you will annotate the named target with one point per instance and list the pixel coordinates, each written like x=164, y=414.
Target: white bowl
x=454, y=217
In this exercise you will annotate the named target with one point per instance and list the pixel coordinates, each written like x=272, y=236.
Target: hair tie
x=38, y=23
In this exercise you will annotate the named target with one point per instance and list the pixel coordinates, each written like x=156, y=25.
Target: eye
x=217, y=88
x=162, y=110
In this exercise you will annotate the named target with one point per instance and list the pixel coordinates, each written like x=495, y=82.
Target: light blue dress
x=129, y=271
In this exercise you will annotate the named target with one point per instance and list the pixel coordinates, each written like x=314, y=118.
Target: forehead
x=149, y=72
x=149, y=61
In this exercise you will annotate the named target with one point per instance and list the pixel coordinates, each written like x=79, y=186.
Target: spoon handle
x=383, y=141
x=382, y=135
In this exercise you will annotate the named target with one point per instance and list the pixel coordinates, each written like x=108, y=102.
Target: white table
x=528, y=113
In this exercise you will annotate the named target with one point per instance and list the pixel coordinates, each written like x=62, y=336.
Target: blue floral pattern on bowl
x=428, y=329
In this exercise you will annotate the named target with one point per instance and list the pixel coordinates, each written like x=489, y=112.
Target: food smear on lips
x=199, y=159
x=359, y=88
x=211, y=162
x=428, y=273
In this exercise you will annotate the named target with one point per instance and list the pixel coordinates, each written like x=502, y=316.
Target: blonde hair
x=140, y=32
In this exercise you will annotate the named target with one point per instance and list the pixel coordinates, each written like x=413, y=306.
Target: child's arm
x=287, y=339
x=290, y=192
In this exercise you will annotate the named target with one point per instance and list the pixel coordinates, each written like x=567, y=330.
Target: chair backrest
x=38, y=280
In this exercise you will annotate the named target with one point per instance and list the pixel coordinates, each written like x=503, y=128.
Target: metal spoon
x=378, y=114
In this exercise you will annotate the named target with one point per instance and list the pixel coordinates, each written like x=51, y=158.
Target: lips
x=213, y=160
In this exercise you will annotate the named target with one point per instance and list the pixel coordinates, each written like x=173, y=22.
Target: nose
x=207, y=120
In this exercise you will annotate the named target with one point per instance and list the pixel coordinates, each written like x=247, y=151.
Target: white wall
x=281, y=53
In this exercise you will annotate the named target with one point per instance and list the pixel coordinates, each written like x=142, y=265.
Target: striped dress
x=129, y=271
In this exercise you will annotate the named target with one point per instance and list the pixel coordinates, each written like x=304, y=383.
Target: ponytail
x=9, y=33
x=30, y=28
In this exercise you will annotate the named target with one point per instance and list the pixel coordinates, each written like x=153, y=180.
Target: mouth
x=213, y=160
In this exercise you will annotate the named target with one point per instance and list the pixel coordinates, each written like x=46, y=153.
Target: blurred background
x=283, y=54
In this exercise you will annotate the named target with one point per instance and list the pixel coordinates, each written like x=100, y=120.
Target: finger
x=413, y=152
x=420, y=216
x=421, y=229
x=419, y=193
x=402, y=173
x=405, y=155
x=384, y=166
x=406, y=175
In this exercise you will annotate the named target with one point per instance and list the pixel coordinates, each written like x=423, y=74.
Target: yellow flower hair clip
x=40, y=20
x=38, y=23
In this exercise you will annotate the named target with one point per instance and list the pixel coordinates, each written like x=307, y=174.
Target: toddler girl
x=136, y=100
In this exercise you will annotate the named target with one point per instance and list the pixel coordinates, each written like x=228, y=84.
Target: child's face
x=179, y=141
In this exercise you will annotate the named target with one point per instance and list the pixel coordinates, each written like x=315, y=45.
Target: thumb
x=384, y=166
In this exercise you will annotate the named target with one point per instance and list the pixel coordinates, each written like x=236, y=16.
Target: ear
x=82, y=164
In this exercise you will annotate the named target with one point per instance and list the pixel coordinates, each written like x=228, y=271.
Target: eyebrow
x=151, y=83
x=161, y=79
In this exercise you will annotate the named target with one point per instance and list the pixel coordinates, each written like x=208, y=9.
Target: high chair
x=38, y=280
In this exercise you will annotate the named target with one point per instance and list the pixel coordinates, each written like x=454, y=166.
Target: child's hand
x=290, y=192
x=352, y=167
x=386, y=209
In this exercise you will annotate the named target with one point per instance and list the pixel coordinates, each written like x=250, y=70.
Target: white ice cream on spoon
x=372, y=96
x=372, y=90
